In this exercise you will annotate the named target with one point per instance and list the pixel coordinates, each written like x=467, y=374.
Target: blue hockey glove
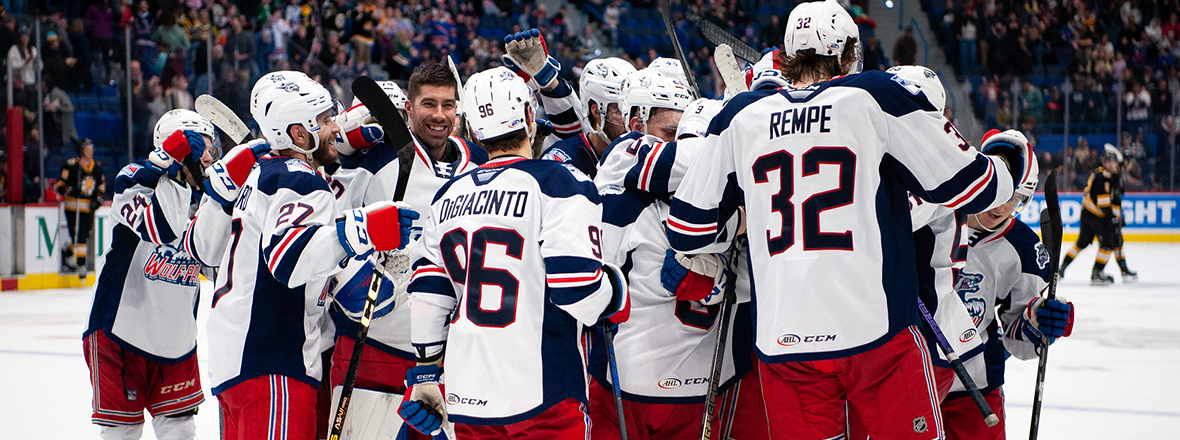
x=423, y=407
x=691, y=277
x=1048, y=317
x=527, y=54
x=353, y=291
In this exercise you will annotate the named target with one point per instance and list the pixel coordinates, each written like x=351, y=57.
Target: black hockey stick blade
x=666, y=12
x=718, y=36
x=397, y=134
x=1051, y=238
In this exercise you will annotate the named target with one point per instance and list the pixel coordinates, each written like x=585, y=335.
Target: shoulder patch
x=578, y=174
x=1042, y=255
x=130, y=169
x=557, y=155
x=294, y=165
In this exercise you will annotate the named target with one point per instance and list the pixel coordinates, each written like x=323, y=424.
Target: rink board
x=1152, y=217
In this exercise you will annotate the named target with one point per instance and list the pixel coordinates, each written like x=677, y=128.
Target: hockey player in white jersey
x=654, y=104
x=141, y=339
x=601, y=90
x=822, y=169
x=368, y=173
x=1007, y=269
x=511, y=257
x=264, y=329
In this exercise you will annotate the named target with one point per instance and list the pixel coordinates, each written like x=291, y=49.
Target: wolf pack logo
x=170, y=265
x=976, y=308
x=968, y=283
x=1042, y=255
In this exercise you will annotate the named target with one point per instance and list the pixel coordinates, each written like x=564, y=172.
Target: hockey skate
x=1100, y=278
x=1130, y=276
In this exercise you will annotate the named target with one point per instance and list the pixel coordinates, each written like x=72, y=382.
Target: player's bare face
x=327, y=133
x=994, y=217
x=663, y=123
x=613, y=126
x=432, y=115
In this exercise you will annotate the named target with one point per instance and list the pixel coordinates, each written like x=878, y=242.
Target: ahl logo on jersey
x=977, y=308
x=1042, y=255
x=169, y=265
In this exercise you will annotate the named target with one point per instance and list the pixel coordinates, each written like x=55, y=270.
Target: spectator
x=773, y=34
x=1004, y=117
x=156, y=105
x=59, y=116
x=968, y=29
x=99, y=27
x=177, y=95
x=22, y=58
x=58, y=61
x=1138, y=103
x=1032, y=102
x=170, y=33
x=874, y=58
x=1084, y=161
x=905, y=49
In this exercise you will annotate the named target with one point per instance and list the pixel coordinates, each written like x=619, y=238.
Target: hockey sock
x=1121, y=259
x=1101, y=259
x=181, y=427
x=108, y=432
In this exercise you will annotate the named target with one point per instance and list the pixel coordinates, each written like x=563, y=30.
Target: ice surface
x=1111, y=380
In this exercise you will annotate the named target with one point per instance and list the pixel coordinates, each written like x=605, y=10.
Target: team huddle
x=774, y=264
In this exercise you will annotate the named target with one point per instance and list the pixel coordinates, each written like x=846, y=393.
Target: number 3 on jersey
x=458, y=247
x=780, y=201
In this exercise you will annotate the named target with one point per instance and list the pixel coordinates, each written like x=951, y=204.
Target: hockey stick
x=989, y=417
x=462, y=123
x=718, y=356
x=613, y=364
x=1051, y=235
x=398, y=136
x=718, y=36
x=222, y=117
x=666, y=12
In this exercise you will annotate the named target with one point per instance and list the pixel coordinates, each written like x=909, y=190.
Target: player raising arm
x=823, y=169
x=511, y=256
x=286, y=240
x=600, y=88
x=141, y=339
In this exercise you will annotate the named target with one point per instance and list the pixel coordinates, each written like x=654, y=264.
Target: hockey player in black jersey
x=1102, y=219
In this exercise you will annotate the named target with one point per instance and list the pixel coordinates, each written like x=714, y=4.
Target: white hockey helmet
x=496, y=102
x=1012, y=143
x=822, y=26
x=668, y=67
x=921, y=79
x=284, y=98
x=393, y=91
x=181, y=119
x=649, y=89
x=602, y=83
x=697, y=118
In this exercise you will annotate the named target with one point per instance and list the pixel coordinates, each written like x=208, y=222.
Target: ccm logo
x=177, y=387
x=967, y=335
x=788, y=339
x=454, y=399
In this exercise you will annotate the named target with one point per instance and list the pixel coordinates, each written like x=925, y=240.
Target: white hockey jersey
x=371, y=176
x=823, y=172
x=1005, y=270
x=665, y=349
x=940, y=243
x=513, y=251
x=271, y=289
x=146, y=297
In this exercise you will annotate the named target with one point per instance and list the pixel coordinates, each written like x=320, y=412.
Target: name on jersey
x=165, y=265
x=485, y=202
x=801, y=120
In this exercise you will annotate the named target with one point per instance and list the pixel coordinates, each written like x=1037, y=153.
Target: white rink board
x=1111, y=380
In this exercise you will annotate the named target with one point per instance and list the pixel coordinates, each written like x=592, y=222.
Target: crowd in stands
x=1108, y=67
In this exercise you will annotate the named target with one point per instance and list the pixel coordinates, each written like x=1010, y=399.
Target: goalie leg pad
x=371, y=415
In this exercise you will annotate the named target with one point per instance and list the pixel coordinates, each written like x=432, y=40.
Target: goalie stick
x=718, y=36
x=666, y=12
x=989, y=417
x=1051, y=235
x=731, y=73
x=397, y=135
x=222, y=117
x=462, y=123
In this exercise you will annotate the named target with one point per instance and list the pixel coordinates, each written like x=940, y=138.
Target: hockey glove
x=183, y=143
x=691, y=277
x=228, y=174
x=378, y=227
x=96, y=203
x=358, y=130
x=422, y=407
x=619, y=308
x=353, y=293
x=1047, y=317
x=527, y=54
